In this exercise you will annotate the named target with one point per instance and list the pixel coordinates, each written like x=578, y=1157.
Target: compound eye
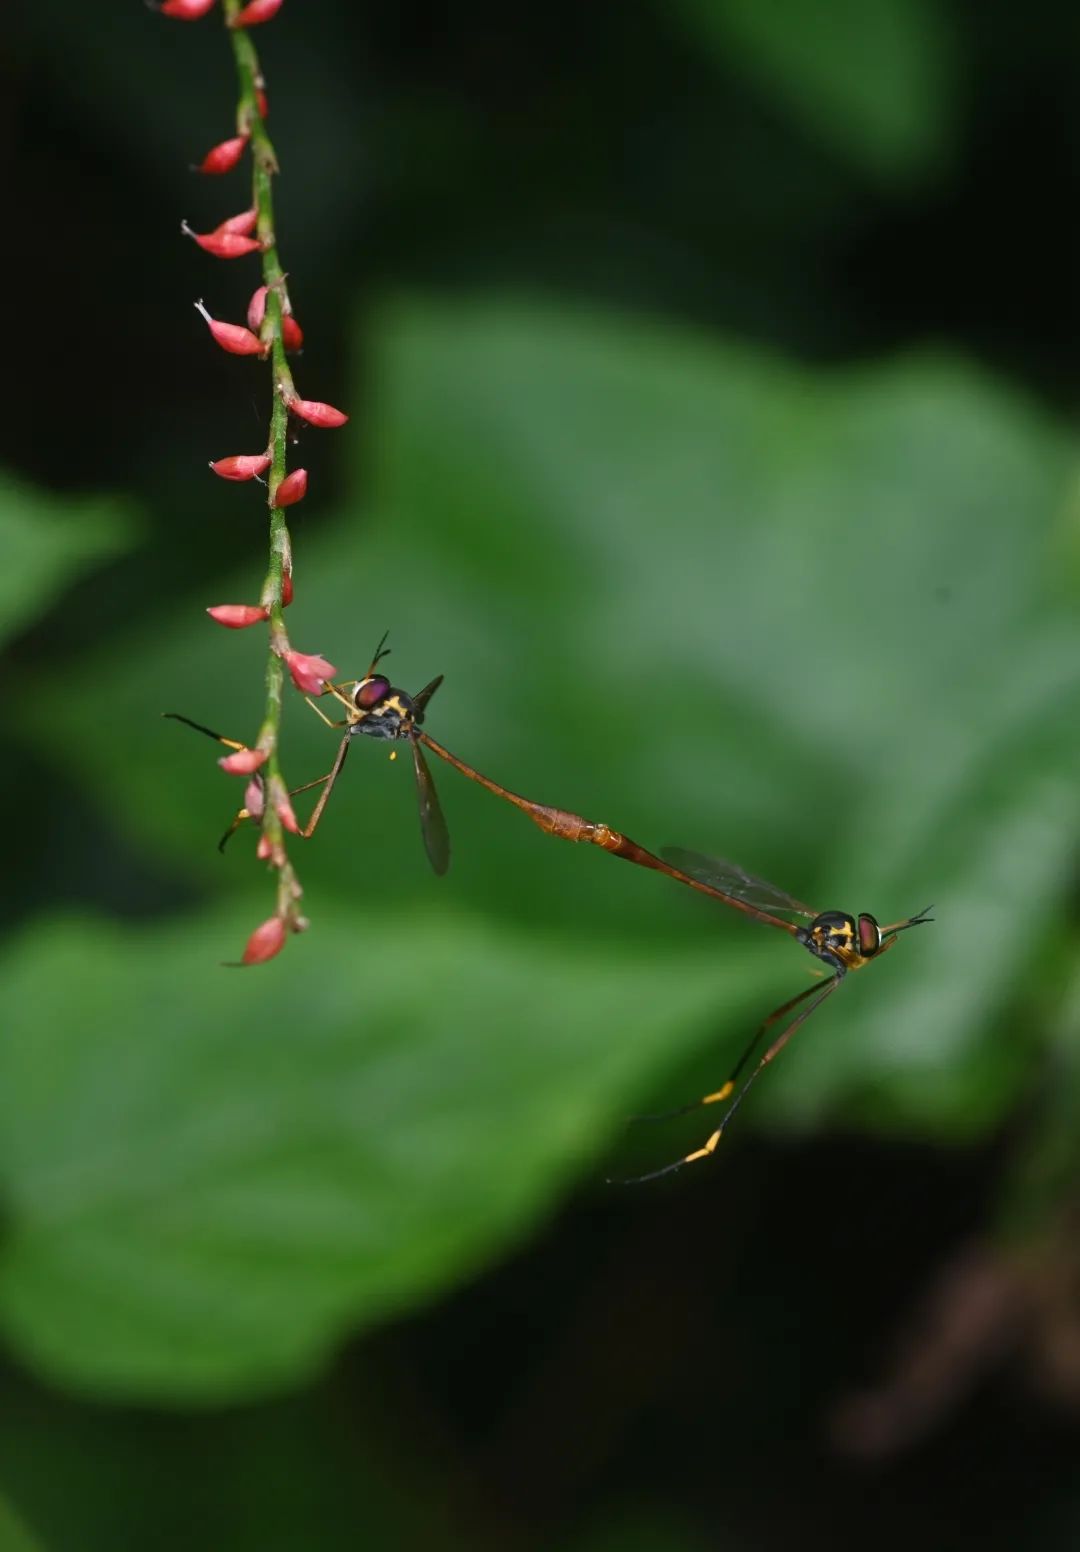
x=371, y=692
x=869, y=936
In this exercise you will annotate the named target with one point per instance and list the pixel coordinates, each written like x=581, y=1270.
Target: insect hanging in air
x=842, y=942
x=374, y=708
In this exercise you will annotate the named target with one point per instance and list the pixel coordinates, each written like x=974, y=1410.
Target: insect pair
x=374, y=708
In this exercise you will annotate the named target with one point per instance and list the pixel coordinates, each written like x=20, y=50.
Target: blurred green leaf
x=871, y=79
x=47, y=542
x=806, y=619
x=14, y=1537
x=212, y=1175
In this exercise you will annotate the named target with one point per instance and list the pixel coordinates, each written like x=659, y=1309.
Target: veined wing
x=735, y=881
x=432, y=824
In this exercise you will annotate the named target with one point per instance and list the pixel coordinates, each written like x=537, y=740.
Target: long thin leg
x=572, y=827
x=709, y=1148
x=320, y=713
x=326, y=782
x=328, y=786
x=219, y=738
x=244, y=813
x=728, y=1088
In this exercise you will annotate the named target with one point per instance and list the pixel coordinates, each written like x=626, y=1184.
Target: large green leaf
x=211, y=1175
x=872, y=79
x=806, y=619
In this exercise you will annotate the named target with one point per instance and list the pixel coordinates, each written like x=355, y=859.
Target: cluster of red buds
x=193, y=10
x=268, y=332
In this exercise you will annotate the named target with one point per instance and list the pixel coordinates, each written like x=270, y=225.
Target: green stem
x=250, y=122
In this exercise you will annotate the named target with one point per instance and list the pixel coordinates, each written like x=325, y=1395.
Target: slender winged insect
x=374, y=708
x=842, y=942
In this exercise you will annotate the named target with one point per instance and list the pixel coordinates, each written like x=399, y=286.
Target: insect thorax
x=839, y=941
x=392, y=717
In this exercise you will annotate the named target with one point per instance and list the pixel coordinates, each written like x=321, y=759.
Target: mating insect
x=840, y=941
x=374, y=708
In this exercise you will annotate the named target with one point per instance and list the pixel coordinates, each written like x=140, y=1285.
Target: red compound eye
x=869, y=935
x=371, y=692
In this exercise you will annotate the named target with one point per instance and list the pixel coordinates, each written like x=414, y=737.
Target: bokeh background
x=712, y=369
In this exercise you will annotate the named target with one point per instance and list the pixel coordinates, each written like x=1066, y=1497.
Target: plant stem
x=250, y=121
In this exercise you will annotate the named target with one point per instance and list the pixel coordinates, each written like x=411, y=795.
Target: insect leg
x=709, y=1147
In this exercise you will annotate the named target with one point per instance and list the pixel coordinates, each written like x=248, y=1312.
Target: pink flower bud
x=232, y=336
x=309, y=671
x=292, y=334
x=265, y=849
x=266, y=941
x=317, y=414
x=242, y=466
x=238, y=616
x=286, y=815
x=255, y=798
x=186, y=10
x=286, y=590
x=224, y=156
x=245, y=762
x=292, y=489
x=221, y=243
x=242, y=223
x=257, y=11
x=257, y=309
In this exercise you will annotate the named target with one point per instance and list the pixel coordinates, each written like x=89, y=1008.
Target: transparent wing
x=432, y=824
x=735, y=881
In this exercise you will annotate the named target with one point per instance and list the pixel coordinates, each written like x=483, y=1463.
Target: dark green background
x=712, y=368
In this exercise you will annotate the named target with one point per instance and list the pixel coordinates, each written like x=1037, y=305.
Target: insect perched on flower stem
x=374, y=708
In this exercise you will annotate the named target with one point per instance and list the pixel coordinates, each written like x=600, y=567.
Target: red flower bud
x=316, y=414
x=242, y=223
x=242, y=466
x=186, y=10
x=224, y=156
x=238, y=616
x=221, y=243
x=255, y=798
x=262, y=103
x=232, y=336
x=291, y=333
x=292, y=489
x=245, y=762
x=257, y=11
x=266, y=941
x=286, y=590
x=309, y=671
